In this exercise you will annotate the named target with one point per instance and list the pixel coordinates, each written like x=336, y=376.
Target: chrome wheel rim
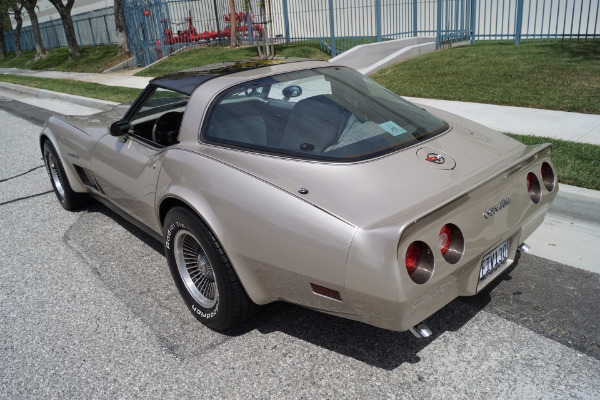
x=55, y=175
x=195, y=269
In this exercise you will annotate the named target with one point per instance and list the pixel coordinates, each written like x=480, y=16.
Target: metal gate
x=455, y=21
x=143, y=19
x=157, y=28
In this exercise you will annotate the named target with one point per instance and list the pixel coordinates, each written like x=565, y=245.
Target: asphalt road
x=88, y=310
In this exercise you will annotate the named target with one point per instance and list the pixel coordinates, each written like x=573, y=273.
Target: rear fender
x=278, y=243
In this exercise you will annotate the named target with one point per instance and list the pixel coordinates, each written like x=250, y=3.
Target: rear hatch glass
x=332, y=113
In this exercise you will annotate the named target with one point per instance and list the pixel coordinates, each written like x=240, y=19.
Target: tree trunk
x=4, y=23
x=2, y=45
x=37, y=35
x=233, y=23
x=64, y=10
x=120, y=28
x=17, y=11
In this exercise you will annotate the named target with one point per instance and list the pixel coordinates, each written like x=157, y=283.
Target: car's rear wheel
x=202, y=272
x=67, y=198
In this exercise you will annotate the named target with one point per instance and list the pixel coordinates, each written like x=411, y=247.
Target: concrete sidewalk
x=575, y=127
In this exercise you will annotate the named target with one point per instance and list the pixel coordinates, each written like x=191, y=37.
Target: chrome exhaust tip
x=421, y=331
x=524, y=247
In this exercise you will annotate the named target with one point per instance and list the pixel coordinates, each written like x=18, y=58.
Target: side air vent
x=86, y=177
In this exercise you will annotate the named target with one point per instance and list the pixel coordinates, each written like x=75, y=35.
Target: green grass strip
x=94, y=90
x=93, y=59
x=576, y=164
x=557, y=76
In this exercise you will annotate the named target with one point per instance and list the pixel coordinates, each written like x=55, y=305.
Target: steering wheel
x=166, y=128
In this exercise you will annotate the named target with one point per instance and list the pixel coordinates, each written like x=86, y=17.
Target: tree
x=233, y=23
x=64, y=10
x=40, y=50
x=120, y=28
x=17, y=11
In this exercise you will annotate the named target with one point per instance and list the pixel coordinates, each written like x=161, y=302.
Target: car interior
x=159, y=118
x=309, y=125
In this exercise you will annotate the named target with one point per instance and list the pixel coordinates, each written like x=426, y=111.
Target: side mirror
x=119, y=128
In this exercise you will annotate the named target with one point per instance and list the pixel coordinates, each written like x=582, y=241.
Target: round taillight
x=413, y=255
x=534, y=188
x=419, y=262
x=452, y=243
x=548, y=176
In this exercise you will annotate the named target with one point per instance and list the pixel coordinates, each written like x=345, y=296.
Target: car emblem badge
x=493, y=210
x=435, y=158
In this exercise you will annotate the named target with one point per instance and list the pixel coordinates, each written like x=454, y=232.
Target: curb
x=576, y=202
x=68, y=98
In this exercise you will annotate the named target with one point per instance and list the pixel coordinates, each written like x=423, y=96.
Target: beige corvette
x=309, y=183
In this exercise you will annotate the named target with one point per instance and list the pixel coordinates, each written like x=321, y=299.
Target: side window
x=159, y=118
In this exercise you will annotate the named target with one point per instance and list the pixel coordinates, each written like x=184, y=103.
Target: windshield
x=329, y=113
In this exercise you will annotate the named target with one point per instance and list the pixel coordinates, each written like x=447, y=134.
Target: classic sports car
x=306, y=182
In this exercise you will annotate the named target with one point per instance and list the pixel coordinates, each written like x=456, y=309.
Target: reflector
x=327, y=292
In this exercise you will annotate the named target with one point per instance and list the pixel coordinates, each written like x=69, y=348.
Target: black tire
x=67, y=198
x=202, y=272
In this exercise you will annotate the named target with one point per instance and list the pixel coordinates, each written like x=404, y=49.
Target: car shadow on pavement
x=374, y=346
x=527, y=296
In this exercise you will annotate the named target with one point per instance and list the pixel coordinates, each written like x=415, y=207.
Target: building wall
x=47, y=12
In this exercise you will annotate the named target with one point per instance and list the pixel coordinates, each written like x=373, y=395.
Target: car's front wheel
x=68, y=198
x=202, y=272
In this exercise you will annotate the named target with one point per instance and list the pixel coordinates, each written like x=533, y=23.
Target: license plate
x=492, y=262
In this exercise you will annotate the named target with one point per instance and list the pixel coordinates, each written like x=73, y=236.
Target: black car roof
x=188, y=80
